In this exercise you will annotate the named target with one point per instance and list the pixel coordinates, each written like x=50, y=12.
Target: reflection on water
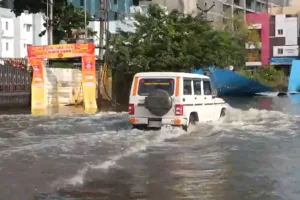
x=253, y=153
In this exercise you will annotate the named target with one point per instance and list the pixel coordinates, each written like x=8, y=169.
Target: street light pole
x=206, y=10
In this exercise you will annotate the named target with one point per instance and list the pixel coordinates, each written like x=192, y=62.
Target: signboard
x=285, y=51
x=38, y=94
x=36, y=54
x=89, y=81
x=282, y=61
x=61, y=50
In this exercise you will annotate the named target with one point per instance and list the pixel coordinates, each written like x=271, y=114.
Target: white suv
x=172, y=98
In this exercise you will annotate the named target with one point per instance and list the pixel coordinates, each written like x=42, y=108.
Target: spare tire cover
x=158, y=102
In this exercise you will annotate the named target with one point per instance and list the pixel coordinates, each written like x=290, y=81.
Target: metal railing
x=15, y=75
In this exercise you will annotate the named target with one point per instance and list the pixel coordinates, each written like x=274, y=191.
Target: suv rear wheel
x=192, y=121
x=223, y=113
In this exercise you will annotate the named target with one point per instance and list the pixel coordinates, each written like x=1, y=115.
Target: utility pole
x=85, y=28
x=51, y=22
x=101, y=31
x=47, y=22
x=103, y=10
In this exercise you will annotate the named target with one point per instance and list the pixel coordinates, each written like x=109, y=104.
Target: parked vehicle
x=172, y=98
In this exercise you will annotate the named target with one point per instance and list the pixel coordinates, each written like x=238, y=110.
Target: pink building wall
x=262, y=18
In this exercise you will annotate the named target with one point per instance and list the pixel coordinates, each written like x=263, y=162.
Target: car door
x=198, y=99
x=208, y=101
x=188, y=96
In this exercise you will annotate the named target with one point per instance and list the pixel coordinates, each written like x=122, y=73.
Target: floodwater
x=253, y=153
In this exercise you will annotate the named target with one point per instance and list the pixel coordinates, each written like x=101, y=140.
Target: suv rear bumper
x=163, y=121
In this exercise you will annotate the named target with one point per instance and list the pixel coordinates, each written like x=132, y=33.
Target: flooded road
x=253, y=153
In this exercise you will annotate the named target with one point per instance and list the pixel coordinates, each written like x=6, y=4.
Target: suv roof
x=168, y=74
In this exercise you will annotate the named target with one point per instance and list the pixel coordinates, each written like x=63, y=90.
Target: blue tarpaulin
x=294, y=81
x=229, y=83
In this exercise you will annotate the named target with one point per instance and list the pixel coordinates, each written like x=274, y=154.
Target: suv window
x=197, y=87
x=187, y=87
x=148, y=85
x=207, y=88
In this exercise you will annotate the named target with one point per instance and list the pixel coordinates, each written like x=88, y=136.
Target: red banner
x=61, y=50
x=38, y=84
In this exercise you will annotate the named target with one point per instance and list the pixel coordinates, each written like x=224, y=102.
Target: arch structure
x=36, y=56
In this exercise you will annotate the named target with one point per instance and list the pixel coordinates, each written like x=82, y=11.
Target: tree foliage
x=269, y=76
x=66, y=17
x=174, y=42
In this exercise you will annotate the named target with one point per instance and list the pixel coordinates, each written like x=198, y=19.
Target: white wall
x=291, y=33
x=7, y=25
x=280, y=25
x=7, y=47
x=18, y=32
x=63, y=86
x=285, y=51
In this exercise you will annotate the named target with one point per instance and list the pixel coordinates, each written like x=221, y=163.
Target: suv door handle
x=195, y=97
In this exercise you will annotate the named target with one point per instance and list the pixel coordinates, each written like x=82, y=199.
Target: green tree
x=67, y=18
x=173, y=42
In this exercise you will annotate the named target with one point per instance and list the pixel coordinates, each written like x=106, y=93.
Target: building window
x=115, y=2
x=280, y=32
x=6, y=25
x=135, y=2
x=280, y=51
x=82, y=3
x=6, y=46
x=27, y=26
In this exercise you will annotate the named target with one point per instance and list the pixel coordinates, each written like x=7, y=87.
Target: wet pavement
x=253, y=153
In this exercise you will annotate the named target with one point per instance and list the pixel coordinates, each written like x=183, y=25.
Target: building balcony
x=255, y=26
x=253, y=64
x=257, y=45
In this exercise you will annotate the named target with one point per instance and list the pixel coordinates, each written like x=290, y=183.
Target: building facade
x=284, y=39
x=121, y=7
x=231, y=7
x=279, y=33
x=17, y=32
x=6, y=4
x=258, y=52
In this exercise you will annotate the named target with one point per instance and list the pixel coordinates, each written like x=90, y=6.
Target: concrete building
x=284, y=39
x=6, y=4
x=122, y=7
x=16, y=33
x=231, y=7
x=279, y=33
x=184, y=6
x=259, y=53
x=279, y=38
x=293, y=8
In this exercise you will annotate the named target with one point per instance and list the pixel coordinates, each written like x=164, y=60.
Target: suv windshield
x=146, y=86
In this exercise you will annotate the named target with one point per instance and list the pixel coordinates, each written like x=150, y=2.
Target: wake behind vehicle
x=172, y=98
